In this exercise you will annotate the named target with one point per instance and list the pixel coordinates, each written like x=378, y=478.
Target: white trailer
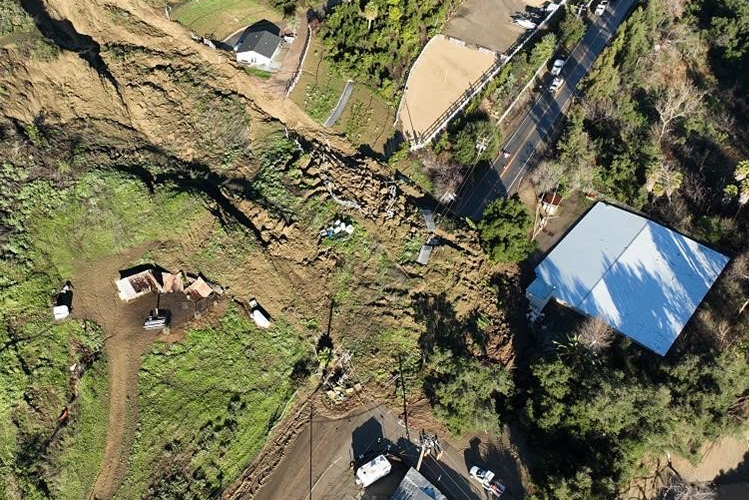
x=375, y=469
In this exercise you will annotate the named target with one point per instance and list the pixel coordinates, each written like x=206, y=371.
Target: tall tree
x=676, y=100
x=505, y=230
x=370, y=12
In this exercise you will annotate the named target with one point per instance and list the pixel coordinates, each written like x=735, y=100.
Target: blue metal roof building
x=639, y=277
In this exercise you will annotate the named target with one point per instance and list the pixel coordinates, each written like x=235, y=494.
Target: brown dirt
x=439, y=77
x=488, y=23
x=125, y=342
x=717, y=457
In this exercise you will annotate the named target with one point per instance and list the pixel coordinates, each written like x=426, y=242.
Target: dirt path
x=95, y=298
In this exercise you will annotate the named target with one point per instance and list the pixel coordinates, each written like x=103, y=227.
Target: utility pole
x=429, y=444
x=403, y=394
x=481, y=146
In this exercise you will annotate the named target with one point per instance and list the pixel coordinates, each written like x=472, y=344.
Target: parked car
x=488, y=481
x=557, y=67
x=601, y=7
x=556, y=85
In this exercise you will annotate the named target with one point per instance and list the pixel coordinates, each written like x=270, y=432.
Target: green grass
x=367, y=119
x=105, y=214
x=82, y=445
x=319, y=87
x=220, y=18
x=259, y=73
x=206, y=405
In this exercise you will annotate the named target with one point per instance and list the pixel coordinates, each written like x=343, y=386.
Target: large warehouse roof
x=639, y=277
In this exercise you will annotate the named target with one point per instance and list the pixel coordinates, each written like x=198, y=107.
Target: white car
x=601, y=8
x=487, y=478
x=556, y=85
x=557, y=67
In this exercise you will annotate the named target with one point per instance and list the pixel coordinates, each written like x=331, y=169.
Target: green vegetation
x=376, y=42
x=34, y=387
x=259, y=73
x=505, y=230
x=103, y=214
x=218, y=19
x=477, y=140
x=13, y=19
x=207, y=403
x=319, y=102
x=572, y=28
x=80, y=448
x=591, y=422
x=465, y=390
x=38, y=49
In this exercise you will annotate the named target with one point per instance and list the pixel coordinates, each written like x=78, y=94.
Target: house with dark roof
x=259, y=46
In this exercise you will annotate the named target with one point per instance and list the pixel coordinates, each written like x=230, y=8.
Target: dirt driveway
x=125, y=341
x=488, y=23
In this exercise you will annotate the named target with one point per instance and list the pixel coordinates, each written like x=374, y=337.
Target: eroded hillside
x=133, y=130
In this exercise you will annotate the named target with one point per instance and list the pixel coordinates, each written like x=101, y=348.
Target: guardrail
x=444, y=119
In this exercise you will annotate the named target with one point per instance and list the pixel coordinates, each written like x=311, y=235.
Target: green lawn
x=104, y=214
x=220, y=18
x=367, y=118
x=206, y=405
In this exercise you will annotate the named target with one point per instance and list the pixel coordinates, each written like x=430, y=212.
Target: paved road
x=504, y=175
x=341, y=104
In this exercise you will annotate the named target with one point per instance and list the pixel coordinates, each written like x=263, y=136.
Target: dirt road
x=125, y=342
x=95, y=298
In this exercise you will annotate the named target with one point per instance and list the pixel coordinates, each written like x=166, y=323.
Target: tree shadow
x=444, y=328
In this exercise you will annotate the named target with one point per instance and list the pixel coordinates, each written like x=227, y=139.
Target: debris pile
x=339, y=229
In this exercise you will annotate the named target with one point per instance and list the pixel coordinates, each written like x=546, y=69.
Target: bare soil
x=322, y=461
x=439, y=77
x=718, y=457
x=125, y=342
x=488, y=23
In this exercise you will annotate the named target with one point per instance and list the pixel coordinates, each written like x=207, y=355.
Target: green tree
x=663, y=180
x=505, y=230
x=464, y=391
x=371, y=13
x=571, y=29
x=478, y=140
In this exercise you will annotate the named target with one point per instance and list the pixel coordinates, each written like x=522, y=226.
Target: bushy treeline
x=375, y=41
x=662, y=121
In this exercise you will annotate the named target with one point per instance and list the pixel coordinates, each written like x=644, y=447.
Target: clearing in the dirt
x=441, y=75
x=488, y=23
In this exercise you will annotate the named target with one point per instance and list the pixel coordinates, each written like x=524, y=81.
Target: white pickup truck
x=601, y=7
x=488, y=481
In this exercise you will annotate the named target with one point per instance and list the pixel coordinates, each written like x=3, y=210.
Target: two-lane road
x=505, y=174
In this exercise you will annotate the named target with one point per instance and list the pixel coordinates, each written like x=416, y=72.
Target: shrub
x=504, y=230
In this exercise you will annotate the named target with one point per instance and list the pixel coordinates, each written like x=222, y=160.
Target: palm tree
x=370, y=13
x=662, y=179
